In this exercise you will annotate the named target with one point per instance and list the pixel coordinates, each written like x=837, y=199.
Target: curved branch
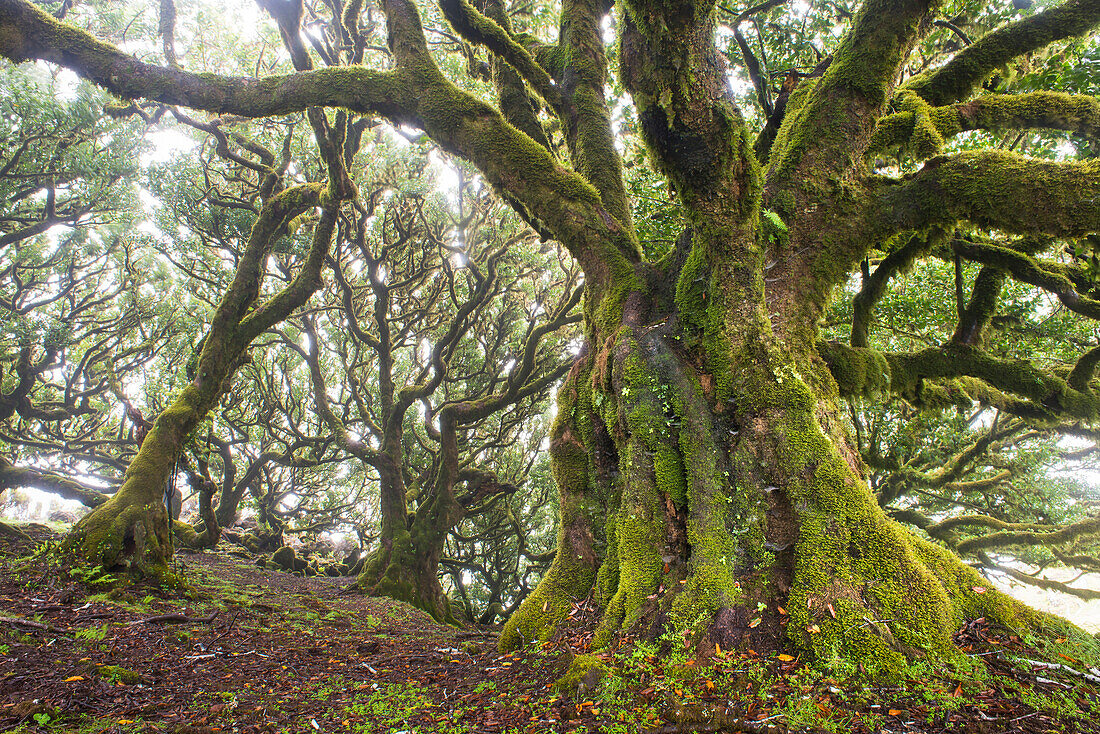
x=865, y=371
x=958, y=78
x=1075, y=113
x=874, y=285
x=416, y=93
x=1082, y=528
x=1027, y=270
x=995, y=189
x=479, y=29
x=12, y=476
x=837, y=118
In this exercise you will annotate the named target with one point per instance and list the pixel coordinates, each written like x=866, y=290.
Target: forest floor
x=246, y=650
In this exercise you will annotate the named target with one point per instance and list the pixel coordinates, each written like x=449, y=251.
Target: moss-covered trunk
x=732, y=503
x=132, y=527
x=407, y=569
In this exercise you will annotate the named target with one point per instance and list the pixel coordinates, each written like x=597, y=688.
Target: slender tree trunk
x=133, y=527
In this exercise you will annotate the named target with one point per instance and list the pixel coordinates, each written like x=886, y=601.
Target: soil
x=242, y=649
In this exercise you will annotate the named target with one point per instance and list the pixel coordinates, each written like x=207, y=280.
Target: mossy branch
x=838, y=117
x=979, y=311
x=1075, y=113
x=859, y=371
x=1081, y=374
x=12, y=476
x=516, y=104
x=1005, y=538
x=957, y=79
x=995, y=189
x=477, y=28
x=1028, y=270
x=985, y=521
x=874, y=285
x=28, y=33
x=299, y=290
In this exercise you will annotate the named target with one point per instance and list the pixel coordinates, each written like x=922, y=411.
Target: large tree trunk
x=732, y=504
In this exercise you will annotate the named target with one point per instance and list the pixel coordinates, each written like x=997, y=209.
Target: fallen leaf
x=979, y=589
x=786, y=658
x=710, y=684
x=73, y=678
x=894, y=712
x=1059, y=640
x=813, y=628
x=754, y=622
x=717, y=649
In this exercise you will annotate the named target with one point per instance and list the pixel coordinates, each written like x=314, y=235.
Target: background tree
x=431, y=359
x=76, y=315
x=708, y=475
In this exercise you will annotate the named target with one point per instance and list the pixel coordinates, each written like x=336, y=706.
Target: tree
x=708, y=478
x=995, y=488
x=456, y=316
x=75, y=313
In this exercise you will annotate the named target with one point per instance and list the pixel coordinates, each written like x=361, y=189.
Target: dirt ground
x=247, y=650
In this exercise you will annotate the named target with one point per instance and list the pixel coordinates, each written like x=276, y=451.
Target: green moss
x=584, y=675
x=117, y=673
x=857, y=371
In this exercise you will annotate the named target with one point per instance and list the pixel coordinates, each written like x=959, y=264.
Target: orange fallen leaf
x=894, y=712
x=786, y=658
x=754, y=622
x=717, y=649
x=1059, y=640
x=73, y=678
x=710, y=685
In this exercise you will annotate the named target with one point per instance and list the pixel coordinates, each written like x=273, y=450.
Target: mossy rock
x=118, y=673
x=584, y=675
x=334, y=571
x=287, y=560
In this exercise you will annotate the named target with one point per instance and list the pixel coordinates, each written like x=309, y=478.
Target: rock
x=287, y=560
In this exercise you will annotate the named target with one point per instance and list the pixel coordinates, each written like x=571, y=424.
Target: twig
x=33, y=625
x=176, y=619
x=1058, y=666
